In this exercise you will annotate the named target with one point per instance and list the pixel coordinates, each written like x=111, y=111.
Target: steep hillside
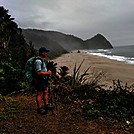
x=96, y=42
x=52, y=39
x=39, y=40
x=57, y=41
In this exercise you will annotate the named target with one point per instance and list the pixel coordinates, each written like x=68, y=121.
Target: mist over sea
x=121, y=53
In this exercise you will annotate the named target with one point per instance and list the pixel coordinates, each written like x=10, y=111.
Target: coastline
x=113, y=70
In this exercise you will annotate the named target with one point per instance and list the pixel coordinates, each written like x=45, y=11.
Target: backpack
x=29, y=68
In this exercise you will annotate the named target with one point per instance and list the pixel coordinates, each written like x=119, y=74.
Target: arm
x=44, y=73
x=38, y=68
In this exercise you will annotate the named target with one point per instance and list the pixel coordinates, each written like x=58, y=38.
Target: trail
x=61, y=121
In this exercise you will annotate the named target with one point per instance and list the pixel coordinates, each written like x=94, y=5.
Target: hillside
x=59, y=42
x=98, y=41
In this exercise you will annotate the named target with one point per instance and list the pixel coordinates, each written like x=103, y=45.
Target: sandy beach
x=113, y=70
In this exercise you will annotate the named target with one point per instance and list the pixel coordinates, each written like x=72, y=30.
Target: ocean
x=121, y=53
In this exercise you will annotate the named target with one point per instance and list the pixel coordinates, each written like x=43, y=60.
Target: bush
x=113, y=105
x=11, y=78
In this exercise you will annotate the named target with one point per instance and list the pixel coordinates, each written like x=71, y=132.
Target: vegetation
x=14, y=51
x=113, y=106
x=10, y=109
x=82, y=95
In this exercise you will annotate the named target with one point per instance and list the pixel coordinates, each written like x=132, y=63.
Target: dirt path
x=61, y=122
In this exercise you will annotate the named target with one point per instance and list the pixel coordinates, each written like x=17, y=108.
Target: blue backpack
x=29, y=68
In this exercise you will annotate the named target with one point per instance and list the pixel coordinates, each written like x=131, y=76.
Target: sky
x=114, y=19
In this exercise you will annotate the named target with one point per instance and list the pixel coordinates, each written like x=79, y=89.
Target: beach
x=112, y=69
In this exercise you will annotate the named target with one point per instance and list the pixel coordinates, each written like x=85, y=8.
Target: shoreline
x=113, y=70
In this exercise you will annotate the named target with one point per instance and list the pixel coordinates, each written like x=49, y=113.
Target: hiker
x=41, y=82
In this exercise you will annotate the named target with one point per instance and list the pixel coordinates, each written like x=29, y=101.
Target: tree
x=14, y=51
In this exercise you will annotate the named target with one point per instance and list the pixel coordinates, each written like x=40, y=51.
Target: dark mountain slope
x=68, y=42
x=38, y=40
x=60, y=43
x=98, y=41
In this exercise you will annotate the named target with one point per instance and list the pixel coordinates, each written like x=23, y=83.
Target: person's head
x=43, y=52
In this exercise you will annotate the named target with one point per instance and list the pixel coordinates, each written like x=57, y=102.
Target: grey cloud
x=83, y=18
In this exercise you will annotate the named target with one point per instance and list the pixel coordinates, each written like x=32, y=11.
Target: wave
x=107, y=53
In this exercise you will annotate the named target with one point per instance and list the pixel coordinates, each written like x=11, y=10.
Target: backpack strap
x=37, y=58
x=33, y=66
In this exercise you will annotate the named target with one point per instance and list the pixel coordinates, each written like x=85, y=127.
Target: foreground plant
x=114, y=106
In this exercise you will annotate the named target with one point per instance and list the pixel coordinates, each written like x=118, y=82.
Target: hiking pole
x=50, y=95
x=55, y=98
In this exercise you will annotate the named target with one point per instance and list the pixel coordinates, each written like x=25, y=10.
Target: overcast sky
x=83, y=18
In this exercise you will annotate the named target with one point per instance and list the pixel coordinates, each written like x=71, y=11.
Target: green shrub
x=11, y=78
x=114, y=105
x=10, y=109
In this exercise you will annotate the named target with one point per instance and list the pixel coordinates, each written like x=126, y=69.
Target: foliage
x=63, y=71
x=113, y=106
x=12, y=42
x=10, y=109
x=75, y=85
x=51, y=66
x=14, y=52
x=11, y=78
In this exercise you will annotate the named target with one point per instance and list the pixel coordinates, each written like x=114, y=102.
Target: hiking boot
x=48, y=107
x=41, y=111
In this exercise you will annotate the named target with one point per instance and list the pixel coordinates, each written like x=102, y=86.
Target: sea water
x=121, y=53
